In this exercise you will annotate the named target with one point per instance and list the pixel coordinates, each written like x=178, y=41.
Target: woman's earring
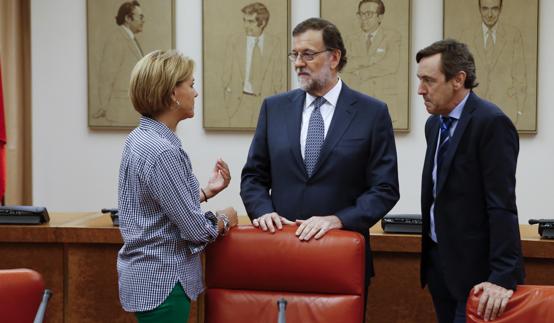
x=178, y=103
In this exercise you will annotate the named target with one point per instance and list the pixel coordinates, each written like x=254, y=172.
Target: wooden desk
x=395, y=294
x=76, y=254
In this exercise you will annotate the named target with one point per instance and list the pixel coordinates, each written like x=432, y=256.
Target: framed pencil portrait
x=503, y=38
x=119, y=34
x=377, y=40
x=245, y=59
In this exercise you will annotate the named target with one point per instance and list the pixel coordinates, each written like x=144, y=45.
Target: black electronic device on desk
x=546, y=227
x=402, y=223
x=113, y=215
x=19, y=214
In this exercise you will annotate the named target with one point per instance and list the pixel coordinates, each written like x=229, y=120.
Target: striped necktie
x=446, y=123
x=315, y=136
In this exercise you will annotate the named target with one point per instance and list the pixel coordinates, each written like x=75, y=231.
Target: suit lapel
x=242, y=59
x=498, y=46
x=465, y=118
x=294, y=122
x=269, y=45
x=342, y=117
x=479, y=42
x=130, y=43
x=376, y=42
x=431, y=149
x=431, y=134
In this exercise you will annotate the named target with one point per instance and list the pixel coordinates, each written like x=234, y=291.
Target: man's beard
x=316, y=82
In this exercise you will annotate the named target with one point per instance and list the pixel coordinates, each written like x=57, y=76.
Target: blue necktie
x=446, y=123
x=315, y=136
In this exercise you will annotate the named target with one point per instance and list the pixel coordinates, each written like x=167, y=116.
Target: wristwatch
x=223, y=218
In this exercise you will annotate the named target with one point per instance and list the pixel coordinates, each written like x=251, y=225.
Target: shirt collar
x=486, y=29
x=129, y=32
x=160, y=128
x=252, y=40
x=373, y=33
x=457, y=112
x=331, y=97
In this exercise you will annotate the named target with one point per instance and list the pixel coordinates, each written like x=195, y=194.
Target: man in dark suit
x=323, y=155
x=470, y=226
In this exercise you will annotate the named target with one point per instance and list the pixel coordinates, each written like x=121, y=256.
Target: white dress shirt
x=486, y=32
x=250, y=42
x=327, y=111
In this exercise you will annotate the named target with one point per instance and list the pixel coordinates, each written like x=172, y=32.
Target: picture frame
x=506, y=67
x=378, y=65
x=119, y=33
x=244, y=60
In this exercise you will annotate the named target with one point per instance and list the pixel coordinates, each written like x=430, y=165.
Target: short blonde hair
x=153, y=79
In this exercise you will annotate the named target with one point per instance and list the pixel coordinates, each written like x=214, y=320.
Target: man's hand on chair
x=317, y=226
x=270, y=221
x=493, y=300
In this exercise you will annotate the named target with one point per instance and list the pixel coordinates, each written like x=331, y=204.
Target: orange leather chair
x=249, y=270
x=529, y=304
x=21, y=293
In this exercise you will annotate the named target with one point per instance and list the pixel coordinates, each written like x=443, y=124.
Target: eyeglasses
x=306, y=56
x=367, y=14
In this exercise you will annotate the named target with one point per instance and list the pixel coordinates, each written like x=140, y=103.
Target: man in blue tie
x=471, y=238
x=323, y=155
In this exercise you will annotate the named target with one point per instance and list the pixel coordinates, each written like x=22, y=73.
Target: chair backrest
x=249, y=270
x=529, y=304
x=21, y=292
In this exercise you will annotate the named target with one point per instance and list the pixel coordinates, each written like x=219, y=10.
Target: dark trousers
x=447, y=308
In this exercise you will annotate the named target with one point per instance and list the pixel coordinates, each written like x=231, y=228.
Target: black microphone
x=541, y=221
x=112, y=211
x=546, y=227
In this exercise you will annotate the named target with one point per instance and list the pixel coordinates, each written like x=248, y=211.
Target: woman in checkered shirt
x=161, y=222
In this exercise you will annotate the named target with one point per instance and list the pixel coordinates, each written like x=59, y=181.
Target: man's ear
x=335, y=55
x=459, y=80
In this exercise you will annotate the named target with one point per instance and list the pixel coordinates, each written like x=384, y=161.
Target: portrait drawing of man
x=253, y=68
x=499, y=54
x=374, y=57
x=120, y=53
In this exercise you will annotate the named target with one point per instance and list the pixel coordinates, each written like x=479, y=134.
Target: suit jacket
x=475, y=207
x=119, y=56
x=375, y=72
x=502, y=73
x=272, y=80
x=356, y=175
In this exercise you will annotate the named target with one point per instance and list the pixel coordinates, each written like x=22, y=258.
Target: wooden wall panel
x=91, y=282
x=395, y=294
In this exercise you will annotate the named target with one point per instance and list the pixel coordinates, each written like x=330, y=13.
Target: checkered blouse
x=163, y=228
